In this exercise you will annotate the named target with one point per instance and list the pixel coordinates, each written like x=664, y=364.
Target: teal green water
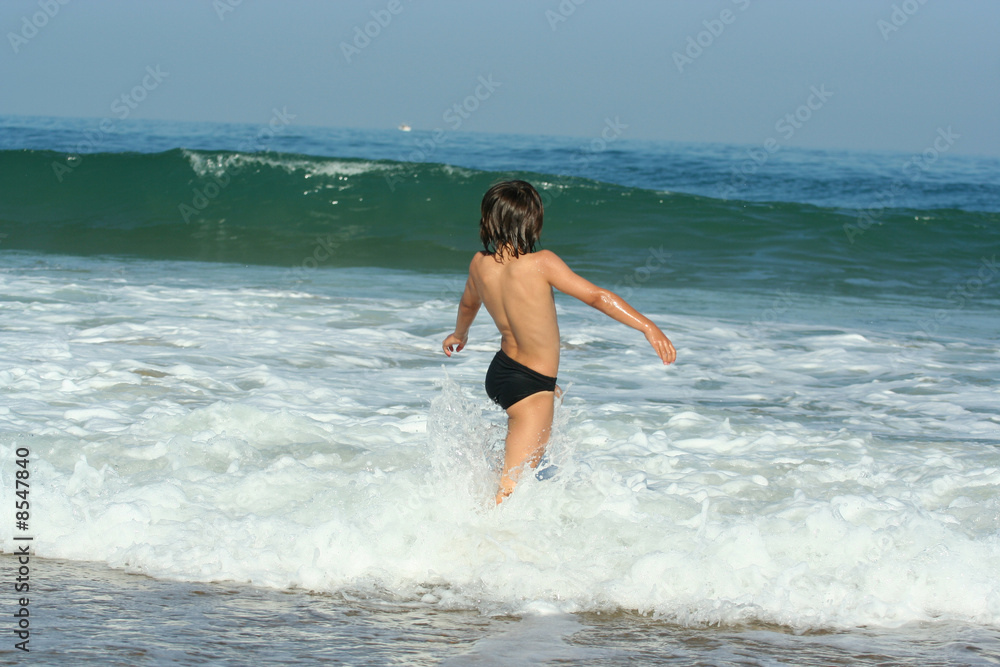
x=296, y=210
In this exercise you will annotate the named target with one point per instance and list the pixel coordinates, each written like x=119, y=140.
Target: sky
x=843, y=74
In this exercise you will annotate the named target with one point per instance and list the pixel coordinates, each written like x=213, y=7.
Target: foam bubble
x=217, y=164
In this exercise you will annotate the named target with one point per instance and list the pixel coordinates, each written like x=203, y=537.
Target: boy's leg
x=528, y=424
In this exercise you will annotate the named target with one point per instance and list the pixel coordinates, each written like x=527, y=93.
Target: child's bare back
x=515, y=284
x=518, y=297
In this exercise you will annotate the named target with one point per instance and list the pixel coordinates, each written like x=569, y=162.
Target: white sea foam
x=217, y=164
x=201, y=424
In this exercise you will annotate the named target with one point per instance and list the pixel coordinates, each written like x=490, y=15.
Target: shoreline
x=90, y=613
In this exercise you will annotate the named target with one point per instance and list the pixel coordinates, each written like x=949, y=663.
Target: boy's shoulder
x=547, y=258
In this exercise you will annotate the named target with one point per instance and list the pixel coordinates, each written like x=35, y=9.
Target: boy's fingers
x=666, y=351
x=450, y=346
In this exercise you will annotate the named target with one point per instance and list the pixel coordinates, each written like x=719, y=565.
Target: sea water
x=250, y=400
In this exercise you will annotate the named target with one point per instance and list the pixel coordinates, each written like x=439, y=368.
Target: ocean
x=229, y=433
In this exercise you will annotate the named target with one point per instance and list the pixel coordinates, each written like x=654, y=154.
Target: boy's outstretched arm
x=467, y=309
x=566, y=281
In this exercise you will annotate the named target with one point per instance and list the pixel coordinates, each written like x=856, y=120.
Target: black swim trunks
x=507, y=381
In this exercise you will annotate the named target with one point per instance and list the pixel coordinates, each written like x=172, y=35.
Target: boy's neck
x=504, y=253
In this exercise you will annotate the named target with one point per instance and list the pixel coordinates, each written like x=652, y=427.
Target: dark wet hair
x=512, y=218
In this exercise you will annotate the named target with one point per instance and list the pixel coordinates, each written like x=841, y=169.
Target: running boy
x=515, y=283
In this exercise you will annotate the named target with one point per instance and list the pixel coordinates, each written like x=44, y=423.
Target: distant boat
x=404, y=127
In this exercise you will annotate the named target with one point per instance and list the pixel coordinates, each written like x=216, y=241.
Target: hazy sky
x=871, y=74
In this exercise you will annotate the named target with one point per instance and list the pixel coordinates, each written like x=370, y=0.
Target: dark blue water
x=929, y=179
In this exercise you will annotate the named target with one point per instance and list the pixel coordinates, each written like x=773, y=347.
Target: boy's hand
x=454, y=341
x=662, y=345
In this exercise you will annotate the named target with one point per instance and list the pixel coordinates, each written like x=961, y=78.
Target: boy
x=515, y=283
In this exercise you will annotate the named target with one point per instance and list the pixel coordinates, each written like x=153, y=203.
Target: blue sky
x=874, y=74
